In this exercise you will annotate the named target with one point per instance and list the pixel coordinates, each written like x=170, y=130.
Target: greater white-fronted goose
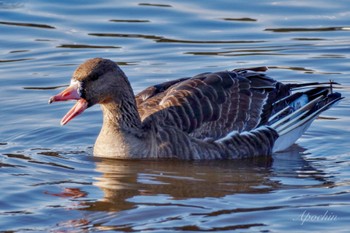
x=223, y=115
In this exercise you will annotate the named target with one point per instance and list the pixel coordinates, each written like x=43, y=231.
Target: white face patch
x=74, y=82
x=77, y=85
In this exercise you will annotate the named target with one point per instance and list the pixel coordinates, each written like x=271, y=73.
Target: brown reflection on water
x=129, y=21
x=44, y=88
x=304, y=69
x=86, y=46
x=26, y=158
x=165, y=185
x=245, y=19
x=155, y=5
x=122, y=180
x=308, y=39
x=241, y=51
x=320, y=29
x=161, y=39
x=35, y=25
x=15, y=60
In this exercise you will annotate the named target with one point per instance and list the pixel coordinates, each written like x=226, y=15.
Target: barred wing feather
x=211, y=105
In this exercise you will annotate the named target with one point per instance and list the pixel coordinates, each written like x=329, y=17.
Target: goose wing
x=155, y=90
x=210, y=105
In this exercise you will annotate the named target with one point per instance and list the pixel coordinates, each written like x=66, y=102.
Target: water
x=51, y=183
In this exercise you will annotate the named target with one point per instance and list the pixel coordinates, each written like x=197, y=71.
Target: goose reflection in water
x=144, y=186
x=121, y=181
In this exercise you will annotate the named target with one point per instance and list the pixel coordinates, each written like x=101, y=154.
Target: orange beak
x=71, y=93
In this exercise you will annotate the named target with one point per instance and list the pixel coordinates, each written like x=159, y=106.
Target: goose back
x=210, y=105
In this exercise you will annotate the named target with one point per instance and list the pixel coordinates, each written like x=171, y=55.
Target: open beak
x=71, y=93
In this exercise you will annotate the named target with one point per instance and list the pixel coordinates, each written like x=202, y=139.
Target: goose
x=235, y=114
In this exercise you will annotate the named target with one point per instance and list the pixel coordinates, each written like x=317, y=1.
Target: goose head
x=96, y=81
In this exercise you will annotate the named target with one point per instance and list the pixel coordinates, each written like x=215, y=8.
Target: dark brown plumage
x=222, y=115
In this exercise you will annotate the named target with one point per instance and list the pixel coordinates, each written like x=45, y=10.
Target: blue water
x=50, y=181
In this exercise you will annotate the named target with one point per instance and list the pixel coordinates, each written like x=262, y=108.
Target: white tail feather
x=279, y=113
x=307, y=106
x=290, y=131
x=289, y=138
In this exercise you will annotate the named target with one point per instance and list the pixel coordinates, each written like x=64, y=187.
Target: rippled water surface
x=50, y=181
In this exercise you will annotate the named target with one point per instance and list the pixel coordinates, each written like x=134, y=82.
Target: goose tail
x=294, y=114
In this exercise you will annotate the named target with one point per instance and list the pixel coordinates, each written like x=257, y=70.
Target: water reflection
x=129, y=21
x=35, y=25
x=134, y=191
x=86, y=46
x=10, y=6
x=161, y=39
x=122, y=180
x=156, y=5
x=303, y=69
x=245, y=19
x=29, y=159
x=320, y=29
x=44, y=88
x=15, y=60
